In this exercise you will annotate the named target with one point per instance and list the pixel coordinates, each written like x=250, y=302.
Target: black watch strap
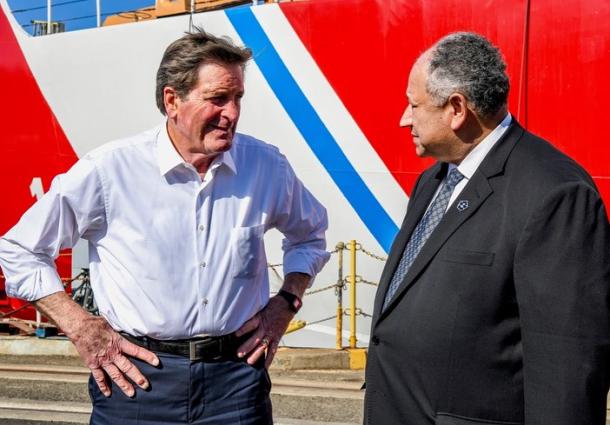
x=294, y=302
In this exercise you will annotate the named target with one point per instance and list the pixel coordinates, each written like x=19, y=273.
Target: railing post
x=339, y=289
x=352, y=288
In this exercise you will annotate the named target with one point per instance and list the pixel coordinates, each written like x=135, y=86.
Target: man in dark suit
x=494, y=305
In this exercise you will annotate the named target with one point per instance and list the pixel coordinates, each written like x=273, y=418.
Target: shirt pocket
x=248, y=251
x=477, y=258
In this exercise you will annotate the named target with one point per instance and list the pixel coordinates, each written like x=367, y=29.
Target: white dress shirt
x=171, y=255
x=471, y=162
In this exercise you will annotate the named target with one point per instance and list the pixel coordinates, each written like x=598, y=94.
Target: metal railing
x=344, y=282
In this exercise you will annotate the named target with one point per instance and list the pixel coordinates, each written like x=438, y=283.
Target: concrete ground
x=43, y=381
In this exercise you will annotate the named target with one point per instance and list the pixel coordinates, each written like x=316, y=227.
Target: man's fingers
x=117, y=376
x=255, y=355
x=132, y=372
x=249, y=326
x=100, y=380
x=138, y=352
x=250, y=344
x=271, y=353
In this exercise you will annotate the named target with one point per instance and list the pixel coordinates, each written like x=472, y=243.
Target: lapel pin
x=462, y=205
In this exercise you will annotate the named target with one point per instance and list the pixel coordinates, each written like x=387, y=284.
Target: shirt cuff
x=305, y=262
x=34, y=285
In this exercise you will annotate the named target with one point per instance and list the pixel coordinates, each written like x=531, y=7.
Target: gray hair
x=469, y=64
x=180, y=64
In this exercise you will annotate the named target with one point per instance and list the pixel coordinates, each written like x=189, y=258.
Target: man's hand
x=100, y=346
x=271, y=322
x=269, y=325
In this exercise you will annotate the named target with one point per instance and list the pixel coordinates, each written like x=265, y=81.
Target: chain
x=275, y=272
x=368, y=282
x=359, y=279
x=326, y=288
x=347, y=279
x=358, y=311
x=18, y=309
x=340, y=286
x=370, y=254
x=321, y=320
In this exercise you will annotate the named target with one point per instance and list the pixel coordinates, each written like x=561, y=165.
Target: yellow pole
x=339, y=289
x=352, y=288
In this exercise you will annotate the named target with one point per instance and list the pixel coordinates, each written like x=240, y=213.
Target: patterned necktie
x=422, y=232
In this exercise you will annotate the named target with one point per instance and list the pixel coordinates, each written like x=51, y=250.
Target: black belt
x=206, y=348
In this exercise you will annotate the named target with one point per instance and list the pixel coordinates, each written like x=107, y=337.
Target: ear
x=171, y=101
x=458, y=107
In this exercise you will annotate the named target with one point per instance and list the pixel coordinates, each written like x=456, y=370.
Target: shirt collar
x=226, y=157
x=168, y=157
x=474, y=158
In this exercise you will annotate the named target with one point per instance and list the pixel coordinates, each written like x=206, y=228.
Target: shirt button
x=202, y=264
x=201, y=227
x=204, y=301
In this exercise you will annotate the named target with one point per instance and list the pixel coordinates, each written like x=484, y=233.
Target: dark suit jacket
x=503, y=317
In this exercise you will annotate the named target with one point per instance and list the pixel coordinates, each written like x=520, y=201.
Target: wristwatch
x=294, y=302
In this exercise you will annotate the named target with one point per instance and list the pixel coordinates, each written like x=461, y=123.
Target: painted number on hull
x=36, y=188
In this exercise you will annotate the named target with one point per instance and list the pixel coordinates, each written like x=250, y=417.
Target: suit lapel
x=476, y=192
x=417, y=207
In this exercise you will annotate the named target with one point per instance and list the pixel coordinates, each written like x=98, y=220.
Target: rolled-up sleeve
x=71, y=208
x=303, y=222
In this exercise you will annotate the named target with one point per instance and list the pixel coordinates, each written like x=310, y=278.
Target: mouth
x=219, y=128
x=225, y=131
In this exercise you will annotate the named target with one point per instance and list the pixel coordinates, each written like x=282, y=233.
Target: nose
x=231, y=110
x=406, y=120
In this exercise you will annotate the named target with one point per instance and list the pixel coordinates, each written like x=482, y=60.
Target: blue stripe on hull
x=311, y=127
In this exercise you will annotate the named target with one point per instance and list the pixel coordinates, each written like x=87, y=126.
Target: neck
x=476, y=130
x=199, y=160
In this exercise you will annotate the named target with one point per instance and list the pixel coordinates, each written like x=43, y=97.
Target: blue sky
x=76, y=14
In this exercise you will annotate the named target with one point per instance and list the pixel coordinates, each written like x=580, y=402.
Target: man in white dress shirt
x=175, y=219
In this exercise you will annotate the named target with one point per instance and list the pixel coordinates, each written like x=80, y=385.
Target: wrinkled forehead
x=215, y=74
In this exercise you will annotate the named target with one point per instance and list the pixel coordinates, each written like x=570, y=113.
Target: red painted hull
x=557, y=55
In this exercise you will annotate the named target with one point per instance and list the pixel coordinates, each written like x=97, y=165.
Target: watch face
x=294, y=302
x=297, y=304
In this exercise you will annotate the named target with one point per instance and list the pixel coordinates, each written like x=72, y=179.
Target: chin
x=420, y=152
x=224, y=146
x=220, y=144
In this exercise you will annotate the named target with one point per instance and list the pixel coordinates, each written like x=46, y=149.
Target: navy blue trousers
x=185, y=392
